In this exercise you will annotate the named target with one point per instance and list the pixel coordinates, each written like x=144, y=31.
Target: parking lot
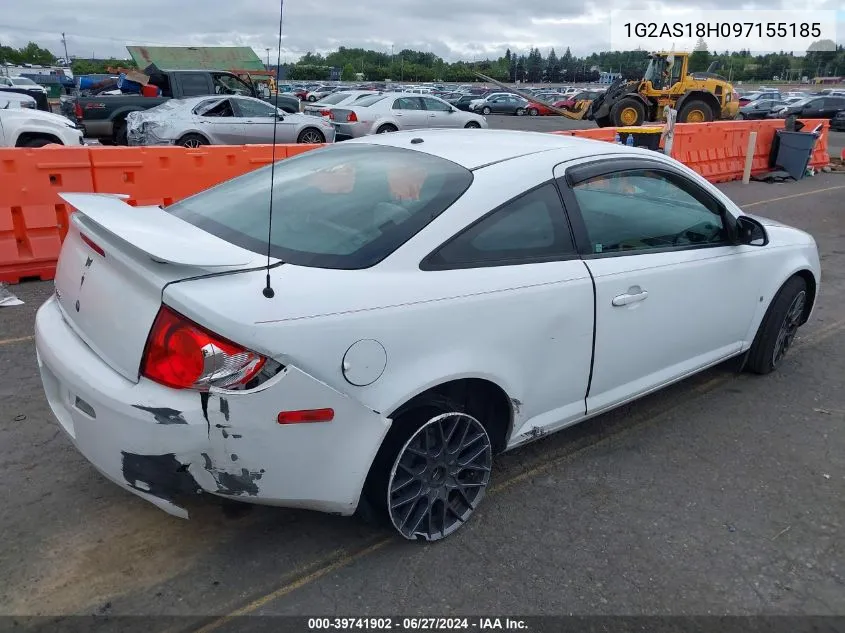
x=722, y=494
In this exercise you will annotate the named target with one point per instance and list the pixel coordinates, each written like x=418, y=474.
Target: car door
x=831, y=106
x=216, y=119
x=813, y=109
x=539, y=301
x=257, y=119
x=500, y=104
x=674, y=292
x=410, y=113
x=440, y=114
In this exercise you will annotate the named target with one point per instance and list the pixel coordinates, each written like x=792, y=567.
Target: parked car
x=399, y=111
x=104, y=116
x=532, y=108
x=336, y=99
x=811, y=108
x=428, y=308
x=319, y=93
x=223, y=121
x=583, y=95
x=27, y=127
x=838, y=122
x=463, y=102
x=501, y=104
x=24, y=86
x=754, y=96
x=16, y=100
x=759, y=108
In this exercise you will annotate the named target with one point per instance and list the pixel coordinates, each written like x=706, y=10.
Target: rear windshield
x=337, y=97
x=345, y=207
x=368, y=101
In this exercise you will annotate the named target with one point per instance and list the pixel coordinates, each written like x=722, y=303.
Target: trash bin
x=791, y=151
x=646, y=137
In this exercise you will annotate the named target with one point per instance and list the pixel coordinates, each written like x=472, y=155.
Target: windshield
x=802, y=102
x=344, y=207
x=23, y=81
x=650, y=71
x=368, y=101
x=337, y=97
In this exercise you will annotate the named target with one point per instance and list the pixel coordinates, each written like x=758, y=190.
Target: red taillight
x=327, y=113
x=184, y=355
x=309, y=415
x=92, y=245
x=77, y=111
x=351, y=118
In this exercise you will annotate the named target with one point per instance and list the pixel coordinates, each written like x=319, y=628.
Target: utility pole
x=268, y=56
x=64, y=43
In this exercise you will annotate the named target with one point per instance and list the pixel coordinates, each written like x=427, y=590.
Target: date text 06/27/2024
x=756, y=31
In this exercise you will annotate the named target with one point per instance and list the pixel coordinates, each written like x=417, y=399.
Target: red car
x=538, y=109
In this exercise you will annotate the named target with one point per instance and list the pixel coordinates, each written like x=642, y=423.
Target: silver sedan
x=399, y=111
x=232, y=120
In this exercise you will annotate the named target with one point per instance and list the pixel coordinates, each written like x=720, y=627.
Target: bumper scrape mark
x=163, y=415
x=162, y=476
x=235, y=484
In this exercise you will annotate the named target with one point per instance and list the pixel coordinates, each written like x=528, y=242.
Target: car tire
x=473, y=125
x=311, y=136
x=520, y=112
x=700, y=111
x=120, y=137
x=37, y=142
x=387, y=128
x=533, y=112
x=628, y=112
x=778, y=328
x=312, y=98
x=486, y=110
x=439, y=458
x=192, y=141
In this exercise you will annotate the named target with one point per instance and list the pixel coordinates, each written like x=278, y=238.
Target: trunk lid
x=114, y=264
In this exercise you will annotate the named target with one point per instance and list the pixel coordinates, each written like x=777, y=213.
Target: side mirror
x=751, y=232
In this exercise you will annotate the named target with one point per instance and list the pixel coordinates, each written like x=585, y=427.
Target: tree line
x=532, y=67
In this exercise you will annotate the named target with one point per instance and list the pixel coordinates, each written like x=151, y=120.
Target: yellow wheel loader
x=698, y=97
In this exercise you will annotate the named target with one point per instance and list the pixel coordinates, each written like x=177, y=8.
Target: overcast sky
x=452, y=29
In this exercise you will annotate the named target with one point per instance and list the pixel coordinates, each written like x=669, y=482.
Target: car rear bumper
x=163, y=444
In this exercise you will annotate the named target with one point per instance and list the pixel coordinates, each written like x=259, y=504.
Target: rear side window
x=368, y=101
x=345, y=207
x=194, y=84
x=530, y=228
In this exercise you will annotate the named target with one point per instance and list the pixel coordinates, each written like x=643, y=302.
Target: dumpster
x=646, y=137
x=791, y=151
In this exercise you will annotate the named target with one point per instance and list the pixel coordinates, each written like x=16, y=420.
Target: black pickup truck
x=103, y=116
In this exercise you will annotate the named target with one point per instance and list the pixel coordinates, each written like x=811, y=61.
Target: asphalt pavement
x=720, y=495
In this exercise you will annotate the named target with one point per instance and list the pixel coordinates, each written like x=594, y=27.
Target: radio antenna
x=268, y=289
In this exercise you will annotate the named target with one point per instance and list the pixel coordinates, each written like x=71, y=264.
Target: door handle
x=632, y=296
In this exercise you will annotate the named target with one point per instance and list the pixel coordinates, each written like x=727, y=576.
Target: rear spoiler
x=160, y=235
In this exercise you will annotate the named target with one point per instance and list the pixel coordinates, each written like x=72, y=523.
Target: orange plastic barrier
x=33, y=219
x=717, y=150
x=163, y=175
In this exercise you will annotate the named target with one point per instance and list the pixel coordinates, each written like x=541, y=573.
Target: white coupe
x=435, y=297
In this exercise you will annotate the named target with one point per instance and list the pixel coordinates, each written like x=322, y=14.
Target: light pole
x=268, y=57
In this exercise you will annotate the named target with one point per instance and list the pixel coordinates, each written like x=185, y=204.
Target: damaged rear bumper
x=162, y=444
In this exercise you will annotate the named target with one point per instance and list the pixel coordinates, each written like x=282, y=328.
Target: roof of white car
x=476, y=148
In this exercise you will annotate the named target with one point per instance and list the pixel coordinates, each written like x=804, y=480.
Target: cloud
x=453, y=29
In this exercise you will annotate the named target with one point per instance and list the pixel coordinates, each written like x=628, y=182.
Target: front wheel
x=312, y=98
x=36, y=142
x=387, y=128
x=779, y=327
x=432, y=470
x=485, y=111
x=520, y=112
x=311, y=136
x=533, y=112
x=473, y=125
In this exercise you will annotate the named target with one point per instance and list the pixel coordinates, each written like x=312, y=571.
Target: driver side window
x=644, y=210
